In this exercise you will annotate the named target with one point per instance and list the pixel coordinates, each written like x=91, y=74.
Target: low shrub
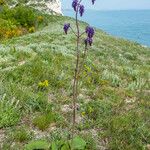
x=2, y=2
x=18, y=21
x=21, y=15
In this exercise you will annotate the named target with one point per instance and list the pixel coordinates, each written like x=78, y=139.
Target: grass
x=20, y=134
x=44, y=121
x=114, y=105
x=8, y=112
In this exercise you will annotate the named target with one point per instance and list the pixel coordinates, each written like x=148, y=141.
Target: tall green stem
x=75, y=82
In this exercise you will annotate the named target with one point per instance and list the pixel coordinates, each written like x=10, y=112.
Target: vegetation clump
x=9, y=112
x=19, y=20
x=44, y=121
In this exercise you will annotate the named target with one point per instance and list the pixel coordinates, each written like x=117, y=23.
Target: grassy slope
x=114, y=88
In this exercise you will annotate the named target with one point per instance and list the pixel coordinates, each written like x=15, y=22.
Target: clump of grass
x=43, y=121
x=9, y=112
x=21, y=134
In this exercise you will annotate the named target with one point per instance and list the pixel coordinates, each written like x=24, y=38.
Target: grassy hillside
x=36, y=72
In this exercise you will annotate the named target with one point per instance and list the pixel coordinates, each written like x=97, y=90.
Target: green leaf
x=54, y=146
x=78, y=143
x=60, y=145
x=39, y=144
x=65, y=146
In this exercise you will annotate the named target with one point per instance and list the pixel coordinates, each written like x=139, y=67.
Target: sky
x=111, y=4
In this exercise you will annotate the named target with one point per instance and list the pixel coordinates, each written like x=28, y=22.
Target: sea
x=133, y=25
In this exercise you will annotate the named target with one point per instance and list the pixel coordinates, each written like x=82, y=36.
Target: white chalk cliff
x=46, y=6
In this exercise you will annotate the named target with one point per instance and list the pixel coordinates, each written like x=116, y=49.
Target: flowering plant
x=79, y=9
x=43, y=84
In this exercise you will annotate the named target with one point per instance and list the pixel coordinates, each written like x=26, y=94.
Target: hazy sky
x=112, y=4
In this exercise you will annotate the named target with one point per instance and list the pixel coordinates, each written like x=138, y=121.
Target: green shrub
x=9, y=27
x=19, y=20
x=2, y=2
x=7, y=13
x=6, y=28
x=25, y=16
x=21, y=15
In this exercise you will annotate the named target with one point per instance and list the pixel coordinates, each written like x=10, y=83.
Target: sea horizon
x=64, y=9
x=133, y=26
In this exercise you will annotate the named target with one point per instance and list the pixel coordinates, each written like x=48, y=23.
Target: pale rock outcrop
x=46, y=6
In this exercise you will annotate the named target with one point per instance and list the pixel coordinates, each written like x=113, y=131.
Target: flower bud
x=93, y=1
x=90, y=31
x=75, y=4
x=88, y=41
x=66, y=27
x=81, y=10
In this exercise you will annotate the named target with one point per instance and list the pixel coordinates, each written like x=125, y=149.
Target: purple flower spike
x=90, y=31
x=75, y=4
x=81, y=10
x=66, y=27
x=88, y=41
x=93, y=1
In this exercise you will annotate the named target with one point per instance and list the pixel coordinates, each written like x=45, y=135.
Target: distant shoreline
x=104, y=10
x=120, y=23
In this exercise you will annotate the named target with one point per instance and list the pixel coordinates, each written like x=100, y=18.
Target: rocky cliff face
x=46, y=6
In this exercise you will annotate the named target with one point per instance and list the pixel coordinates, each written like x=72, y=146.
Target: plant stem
x=84, y=58
x=75, y=83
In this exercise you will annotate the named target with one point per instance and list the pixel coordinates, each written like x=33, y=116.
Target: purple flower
x=93, y=1
x=81, y=10
x=90, y=31
x=66, y=27
x=75, y=4
x=88, y=41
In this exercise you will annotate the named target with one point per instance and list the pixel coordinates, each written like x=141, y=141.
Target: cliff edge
x=45, y=6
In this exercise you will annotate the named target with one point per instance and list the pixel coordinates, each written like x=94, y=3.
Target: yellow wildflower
x=40, y=84
x=46, y=83
x=32, y=29
x=43, y=84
